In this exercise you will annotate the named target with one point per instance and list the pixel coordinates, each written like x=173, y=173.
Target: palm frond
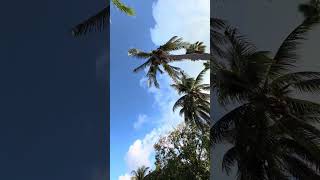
x=294, y=77
x=175, y=43
x=224, y=124
x=217, y=23
x=199, y=78
x=178, y=103
x=143, y=66
x=312, y=85
x=286, y=55
x=95, y=23
x=172, y=71
x=197, y=47
x=299, y=169
x=294, y=148
x=137, y=53
x=229, y=160
x=301, y=107
x=124, y=8
x=152, y=76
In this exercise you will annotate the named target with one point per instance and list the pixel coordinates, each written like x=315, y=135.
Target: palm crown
x=162, y=57
x=194, y=102
x=140, y=173
x=157, y=58
x=271, y=131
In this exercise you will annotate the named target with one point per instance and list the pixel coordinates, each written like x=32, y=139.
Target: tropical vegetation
x=162, y=56
x=272, y=128
x=140, y=173
x=183, y=154
x=273, y=131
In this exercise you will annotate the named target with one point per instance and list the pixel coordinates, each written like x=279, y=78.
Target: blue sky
x=140, y=115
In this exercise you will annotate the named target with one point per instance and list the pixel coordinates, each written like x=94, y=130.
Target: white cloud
x=141, y=151
x=124, y=177
x=138, y=155
x=142, y=119
x=188, y=19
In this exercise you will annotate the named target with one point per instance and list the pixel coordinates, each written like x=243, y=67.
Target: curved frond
x=95, y=23
x=143, y=66
x=312, y=85
x=152, y=76
x=172, y=71
x=294, y=77
x=178, y=103
x=138, y=53
x=223, y=125
x=301, y=107
x=199, y=78
x=299, y=169
x=286, y=55
x=124, y=8
x=197, y=47
x=175, y=43
x=229, y=159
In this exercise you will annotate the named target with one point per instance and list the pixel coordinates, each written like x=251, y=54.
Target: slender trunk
x=193, y=57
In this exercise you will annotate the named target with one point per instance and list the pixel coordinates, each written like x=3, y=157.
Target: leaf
x=123, y=8
x=95, y=23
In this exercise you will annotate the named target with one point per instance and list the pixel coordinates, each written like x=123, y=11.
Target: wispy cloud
x=142, y=119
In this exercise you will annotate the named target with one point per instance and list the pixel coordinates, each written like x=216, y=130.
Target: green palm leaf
x=175, y=43
x=137, y=53
x=123, y=8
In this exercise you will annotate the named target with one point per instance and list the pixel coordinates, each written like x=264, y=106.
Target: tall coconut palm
x=140, y=173
x=273, y=133
x=162, y=57
x=194, y=100
x=101, y=19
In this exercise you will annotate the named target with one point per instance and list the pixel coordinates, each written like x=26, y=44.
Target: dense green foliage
x=183, y=154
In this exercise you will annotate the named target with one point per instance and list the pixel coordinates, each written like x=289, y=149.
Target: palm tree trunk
x=193, y=57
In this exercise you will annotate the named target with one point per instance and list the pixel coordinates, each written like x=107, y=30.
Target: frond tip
x=138, y=53
x=94, y=23
x=124, y=8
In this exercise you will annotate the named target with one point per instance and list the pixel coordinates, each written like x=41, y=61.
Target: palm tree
x=194, y=102
x=162, y=57
x=273, y=132
x=101, y=19
x=140, y=173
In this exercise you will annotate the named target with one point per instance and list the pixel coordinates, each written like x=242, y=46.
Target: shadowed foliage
x=99, y=21
x=310, y=9
x=273, y=133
